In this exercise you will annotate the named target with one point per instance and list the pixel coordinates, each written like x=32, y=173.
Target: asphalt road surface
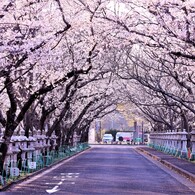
x=106, y=170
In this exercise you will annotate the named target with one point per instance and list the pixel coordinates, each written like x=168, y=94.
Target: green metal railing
x=172, y=151
x=41, y=162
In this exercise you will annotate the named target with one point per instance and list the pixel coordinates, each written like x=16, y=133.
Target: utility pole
x=142, y=132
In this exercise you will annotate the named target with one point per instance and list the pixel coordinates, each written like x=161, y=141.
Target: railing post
x=183, y=144
x=193, y=143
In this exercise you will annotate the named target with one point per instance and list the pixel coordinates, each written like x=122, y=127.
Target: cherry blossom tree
x=46, y=47
x=65, y=63
x=31, y=64
x=158, y=44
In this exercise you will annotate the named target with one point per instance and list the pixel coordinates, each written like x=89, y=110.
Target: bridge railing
x=174, y=143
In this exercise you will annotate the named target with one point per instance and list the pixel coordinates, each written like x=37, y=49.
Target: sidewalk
x=184, y=167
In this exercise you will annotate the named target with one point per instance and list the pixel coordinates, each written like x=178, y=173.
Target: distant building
x=115, y=121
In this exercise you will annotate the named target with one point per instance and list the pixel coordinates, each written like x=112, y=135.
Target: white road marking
x=53, y=190
x=48, y=171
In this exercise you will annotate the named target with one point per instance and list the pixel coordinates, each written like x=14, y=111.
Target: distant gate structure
x=91, y=136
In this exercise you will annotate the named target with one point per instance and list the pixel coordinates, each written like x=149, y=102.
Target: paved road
x=114, y=170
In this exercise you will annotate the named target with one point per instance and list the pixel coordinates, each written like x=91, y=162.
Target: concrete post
x=183, y=144
x=74, y=139
x=54, y=138
x=193, y=143
x=31, y=143
x=23, y=146
x=15, y=149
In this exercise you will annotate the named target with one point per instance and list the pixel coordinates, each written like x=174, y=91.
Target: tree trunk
x=4, y=146
x=58, y=134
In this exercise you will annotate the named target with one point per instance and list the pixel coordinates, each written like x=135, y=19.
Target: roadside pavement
x=184, y=167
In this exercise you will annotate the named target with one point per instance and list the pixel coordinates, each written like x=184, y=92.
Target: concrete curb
x=39, y=171
x=182, y=172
